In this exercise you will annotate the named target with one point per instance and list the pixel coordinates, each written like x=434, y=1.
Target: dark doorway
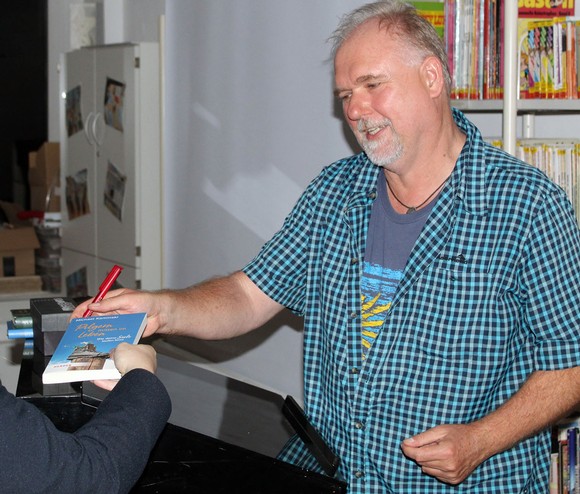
x=23, y=86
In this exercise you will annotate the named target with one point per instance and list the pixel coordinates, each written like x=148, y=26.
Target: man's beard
x=383, y=151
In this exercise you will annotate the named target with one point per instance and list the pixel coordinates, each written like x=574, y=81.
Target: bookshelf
x=510, y=107
x=562, y=168
x=522, y=106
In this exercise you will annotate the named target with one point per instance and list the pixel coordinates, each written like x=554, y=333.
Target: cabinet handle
x=98, y=129
x=88, y=128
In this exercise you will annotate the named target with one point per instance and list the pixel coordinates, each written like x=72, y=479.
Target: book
x=535, y=8
x=564, y=477
x=83, y=351
x=572, y=434
x=559, y=159
x=554, y=473
x=567, y=450
x=434, y=12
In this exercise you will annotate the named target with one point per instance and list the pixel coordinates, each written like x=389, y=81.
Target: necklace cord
x=411, y=209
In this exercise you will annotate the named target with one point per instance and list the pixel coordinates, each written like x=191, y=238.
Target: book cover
x=449, y=38
x=543, y=8
x=571, y=60
x=576, y=90
x=554, y=473
x=495, y=74
x=572, y=434
x=83, y=351
x=434, y=12
x=564, y=478
x=524, y=47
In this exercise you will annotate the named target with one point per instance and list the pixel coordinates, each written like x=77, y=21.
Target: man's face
x=380, y=91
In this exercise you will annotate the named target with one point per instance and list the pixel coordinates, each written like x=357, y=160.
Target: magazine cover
x=545, y=8
x=83, y=351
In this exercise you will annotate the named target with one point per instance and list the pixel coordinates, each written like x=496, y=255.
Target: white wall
x=250, y=121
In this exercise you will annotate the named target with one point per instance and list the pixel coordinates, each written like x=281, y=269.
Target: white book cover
x=83, y=351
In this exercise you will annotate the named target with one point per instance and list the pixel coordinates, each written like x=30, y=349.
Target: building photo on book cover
x=83, y=352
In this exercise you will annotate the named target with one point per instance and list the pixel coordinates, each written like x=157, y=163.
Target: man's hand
x=216, y=309
x=125, y=301
x=447, y=452
x=451, y=452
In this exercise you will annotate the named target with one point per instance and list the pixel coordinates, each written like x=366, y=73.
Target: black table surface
x=188, y=461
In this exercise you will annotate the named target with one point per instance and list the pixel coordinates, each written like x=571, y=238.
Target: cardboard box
x=44, y=177
x=17, y=247
x=19, y=284
x=44, y=199
x=47, y=254
x=49, y=321
x=12, y=212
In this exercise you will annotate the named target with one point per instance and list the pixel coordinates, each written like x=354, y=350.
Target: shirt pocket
x=460, y=313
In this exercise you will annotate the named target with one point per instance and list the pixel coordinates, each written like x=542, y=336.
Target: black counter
x=186, y=460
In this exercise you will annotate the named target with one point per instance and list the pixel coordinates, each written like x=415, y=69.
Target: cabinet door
x=118, y=150
x=116, y=170
x=79, y=272
x=78, y=171
x=127, y=278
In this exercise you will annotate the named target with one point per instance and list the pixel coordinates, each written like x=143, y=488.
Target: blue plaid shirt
x=489, y=295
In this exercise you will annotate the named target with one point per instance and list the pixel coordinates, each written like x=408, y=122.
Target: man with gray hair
x=438, y=278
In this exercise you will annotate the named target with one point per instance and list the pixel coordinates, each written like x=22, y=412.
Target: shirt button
x=359, y=474
x=372, y=195
x=354, y=260
x=354, y=370
x=359, y=425
x=353, y=315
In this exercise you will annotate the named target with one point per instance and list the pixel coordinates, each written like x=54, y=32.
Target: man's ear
x=432, y=73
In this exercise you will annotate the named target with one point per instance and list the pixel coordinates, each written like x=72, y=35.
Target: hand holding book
x=128, y=357
x=83, y=351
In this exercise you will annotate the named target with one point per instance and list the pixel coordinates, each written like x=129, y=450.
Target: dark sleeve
x=108, y=454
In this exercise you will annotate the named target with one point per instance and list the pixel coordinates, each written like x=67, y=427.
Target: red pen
x=105, y=287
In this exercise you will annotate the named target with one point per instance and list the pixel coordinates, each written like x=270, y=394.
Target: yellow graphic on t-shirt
x=373, y=315
x=378, y=286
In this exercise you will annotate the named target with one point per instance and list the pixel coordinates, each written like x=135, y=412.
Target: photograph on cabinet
x=76, y=283
x=114, y=95
x=115, y=191
x=74, y=118
x=77, y=199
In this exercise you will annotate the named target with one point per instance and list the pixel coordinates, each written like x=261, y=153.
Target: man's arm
x=451, y=452
x=215, y=309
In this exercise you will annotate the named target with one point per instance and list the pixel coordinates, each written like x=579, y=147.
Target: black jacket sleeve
x=108, y=454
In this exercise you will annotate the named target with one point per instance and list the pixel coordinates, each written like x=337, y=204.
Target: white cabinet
x=111, y=166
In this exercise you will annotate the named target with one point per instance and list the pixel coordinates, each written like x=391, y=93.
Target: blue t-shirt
x=390, y=239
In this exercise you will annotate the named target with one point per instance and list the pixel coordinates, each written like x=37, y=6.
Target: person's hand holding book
x=128, y=357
